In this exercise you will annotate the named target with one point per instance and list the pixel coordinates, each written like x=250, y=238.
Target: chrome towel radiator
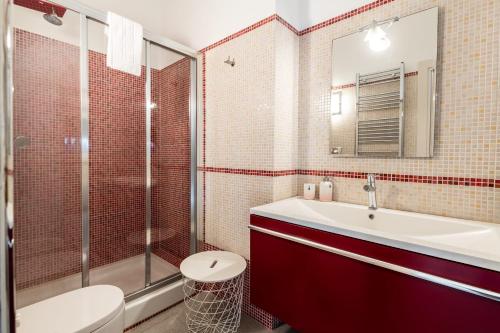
x=383, y=125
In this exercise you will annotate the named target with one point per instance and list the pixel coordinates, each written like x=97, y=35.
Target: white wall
x=194, y=23
x=199, y=23
x=293, y=11
x=305, y=13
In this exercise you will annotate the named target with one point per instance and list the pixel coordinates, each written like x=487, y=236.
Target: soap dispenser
x=309, y=191
x=326, y=190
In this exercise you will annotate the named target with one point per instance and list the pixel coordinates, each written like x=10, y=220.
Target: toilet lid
x=81, y=311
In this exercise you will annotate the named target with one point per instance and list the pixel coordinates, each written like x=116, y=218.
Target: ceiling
x=195, y=23
x=199, y=23
x=305, y=13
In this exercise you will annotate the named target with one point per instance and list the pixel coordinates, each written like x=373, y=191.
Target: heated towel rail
x=382, y=132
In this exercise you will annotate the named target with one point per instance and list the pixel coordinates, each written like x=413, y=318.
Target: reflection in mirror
x=383, y=88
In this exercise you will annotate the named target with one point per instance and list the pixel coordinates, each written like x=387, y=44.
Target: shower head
x=52, y=18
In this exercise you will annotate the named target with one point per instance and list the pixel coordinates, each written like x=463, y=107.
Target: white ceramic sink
x=471, y=242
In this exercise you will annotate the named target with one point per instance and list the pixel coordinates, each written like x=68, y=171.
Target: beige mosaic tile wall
x=286, y=98
x=240, y=101
x=251, y=123
x=270, y=112
x=265, y=122
x=468, y=117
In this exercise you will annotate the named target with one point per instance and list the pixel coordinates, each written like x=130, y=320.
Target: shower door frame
x=7, y=281
x=87, y=13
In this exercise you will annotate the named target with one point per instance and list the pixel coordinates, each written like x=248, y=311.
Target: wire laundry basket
x=213, y=291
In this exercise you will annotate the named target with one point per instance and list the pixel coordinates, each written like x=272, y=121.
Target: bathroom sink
x=385, y=220
x=471, y=242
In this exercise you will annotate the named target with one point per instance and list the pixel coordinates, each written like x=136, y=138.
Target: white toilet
x=96, y=309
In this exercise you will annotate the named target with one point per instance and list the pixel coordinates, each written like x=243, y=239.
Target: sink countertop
x=469, y=242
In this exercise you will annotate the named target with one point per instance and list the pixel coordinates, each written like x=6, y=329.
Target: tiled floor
x=127, y=274
x=174, y=321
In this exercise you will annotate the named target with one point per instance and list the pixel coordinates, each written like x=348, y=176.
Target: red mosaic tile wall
x=47, y=172
x=345, y=16
x=117, y=162
x=171, y=162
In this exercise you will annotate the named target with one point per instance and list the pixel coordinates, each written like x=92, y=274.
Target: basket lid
x=213, y=266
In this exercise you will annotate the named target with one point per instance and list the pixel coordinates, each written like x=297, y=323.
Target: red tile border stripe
x=352, y=85
x=204, y=136
x=344, y=86
x=274, y=17
x=315, y=27
x=240, y=33
x=444, y=180
x=345, y=16
x=250, y=172
x=286, y=24
x=439, y=180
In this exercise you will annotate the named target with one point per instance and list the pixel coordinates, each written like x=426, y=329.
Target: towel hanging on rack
x=124, y=44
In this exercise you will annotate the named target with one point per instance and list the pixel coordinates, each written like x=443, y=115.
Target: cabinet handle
x=396, y=268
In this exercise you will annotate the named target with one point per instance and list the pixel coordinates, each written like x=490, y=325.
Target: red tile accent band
x=352, y=85
x=444, y=180
x=204, y=136
x=240, y=33
x=315, y=27
x=318, y=26
x=345, y=16
x=344, y=86
x=249, y=172
x=274, y=17
x=415, y=73
x=286, y=24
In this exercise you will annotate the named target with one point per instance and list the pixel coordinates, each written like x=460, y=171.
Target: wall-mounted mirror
x=383, y=93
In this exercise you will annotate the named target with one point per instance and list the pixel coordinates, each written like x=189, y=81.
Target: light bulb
x=379, y=44
x=377, y=39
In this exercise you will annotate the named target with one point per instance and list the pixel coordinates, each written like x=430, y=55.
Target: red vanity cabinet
x=318, y=291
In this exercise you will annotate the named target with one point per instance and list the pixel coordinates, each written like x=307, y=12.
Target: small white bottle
x=326, y=190
x=309, y=191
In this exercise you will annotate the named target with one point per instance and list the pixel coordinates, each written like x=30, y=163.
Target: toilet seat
x=83, y=310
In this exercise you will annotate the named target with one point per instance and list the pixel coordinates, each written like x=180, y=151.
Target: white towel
x=124, y=44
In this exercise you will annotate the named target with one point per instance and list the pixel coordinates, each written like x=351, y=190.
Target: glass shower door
x=117, y=172
x=170, y=161
x=47, y=153
x=103, y=185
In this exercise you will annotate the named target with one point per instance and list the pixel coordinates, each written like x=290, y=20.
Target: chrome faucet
x=371, y=189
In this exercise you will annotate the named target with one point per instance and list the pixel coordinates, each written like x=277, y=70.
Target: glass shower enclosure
x=104, y=161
